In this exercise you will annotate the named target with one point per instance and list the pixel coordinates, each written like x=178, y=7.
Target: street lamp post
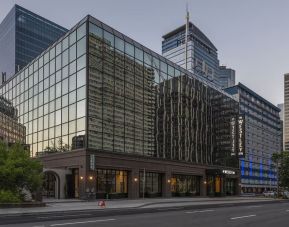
x=277, y=173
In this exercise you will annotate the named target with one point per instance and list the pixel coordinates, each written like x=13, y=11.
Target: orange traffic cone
x=101, y=204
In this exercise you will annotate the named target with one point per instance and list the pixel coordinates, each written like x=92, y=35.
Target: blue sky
x=252, y=36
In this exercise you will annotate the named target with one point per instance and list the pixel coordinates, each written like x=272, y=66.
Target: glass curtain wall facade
x=50, y=94
x=193, y=122
x=202, y=54
x=33, y=35
x=125, y=91
x=10, y=130
x=226, y=77
x=7, y=44
x=131, y=90
x=23, y=36
x=121, y=97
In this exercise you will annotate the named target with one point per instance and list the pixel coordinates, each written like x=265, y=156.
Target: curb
x=140, y=209
x=21, y=205
x=208, y=200
x=67, y=215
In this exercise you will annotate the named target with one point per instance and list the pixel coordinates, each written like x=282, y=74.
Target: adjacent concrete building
x=23, y=36
x=286, y=111
x=262, y=139
x=281, y=107
x=111, y=118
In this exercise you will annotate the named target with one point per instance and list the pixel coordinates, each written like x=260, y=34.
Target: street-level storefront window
x=185, y=185
x=221, y=185
x=230, y=186
x=111, y=183
x=152, y=186
x=215, y=185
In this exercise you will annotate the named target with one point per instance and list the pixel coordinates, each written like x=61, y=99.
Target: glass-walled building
x=23, y=36
x=111, y=118
x=202, y=55
x=227, y=77
x=11, y=131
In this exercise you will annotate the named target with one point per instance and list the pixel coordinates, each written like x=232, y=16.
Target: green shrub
x=9, y=197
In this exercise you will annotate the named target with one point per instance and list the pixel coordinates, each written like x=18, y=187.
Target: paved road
x=273, y=215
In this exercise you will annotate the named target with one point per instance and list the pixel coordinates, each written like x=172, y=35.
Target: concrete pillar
x=82, y=183
x=203, y=186
x=166, y=185
x=90, y=186
x=238, y=186
x=133, y=184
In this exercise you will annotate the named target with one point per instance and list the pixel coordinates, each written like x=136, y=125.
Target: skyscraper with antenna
x=189, y=47
x=186, y=35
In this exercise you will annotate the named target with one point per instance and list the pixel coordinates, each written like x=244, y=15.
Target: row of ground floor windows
x=150, y=183
x=114, y=184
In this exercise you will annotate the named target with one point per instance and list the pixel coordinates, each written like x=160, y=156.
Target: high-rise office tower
x=11, y=131
x=23, y=36
x=226, y=77
x=286, y=111
x=201, y=54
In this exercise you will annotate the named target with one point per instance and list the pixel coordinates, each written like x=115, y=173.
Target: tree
x=18, y=171
x=281, y=161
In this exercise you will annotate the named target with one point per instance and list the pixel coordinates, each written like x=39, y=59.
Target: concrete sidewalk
x=78, y=205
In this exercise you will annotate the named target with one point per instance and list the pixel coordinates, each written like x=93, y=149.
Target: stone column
x=238, y=186
x=166, y=184
x=82, y=183
x=203, y=186
x=133, y=184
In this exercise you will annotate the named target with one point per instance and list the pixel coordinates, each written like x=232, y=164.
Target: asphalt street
x=263, y=215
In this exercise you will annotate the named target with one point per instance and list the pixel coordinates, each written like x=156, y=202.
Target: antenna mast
x=186, y=36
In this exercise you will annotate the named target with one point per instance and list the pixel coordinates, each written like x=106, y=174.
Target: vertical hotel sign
x=241, y=136
x=233, y=133
x=237, y=132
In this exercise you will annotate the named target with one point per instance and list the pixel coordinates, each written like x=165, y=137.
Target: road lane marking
x=198, y=211
x=172, y=208
x=254, y=206
x=82, y=222
x=60, y=216
x=247, y=216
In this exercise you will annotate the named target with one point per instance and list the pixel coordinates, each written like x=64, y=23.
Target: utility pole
x=186, y=36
